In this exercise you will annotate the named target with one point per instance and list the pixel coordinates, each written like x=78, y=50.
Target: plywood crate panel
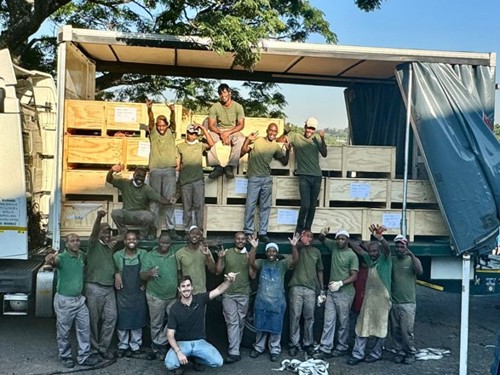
x=374, y=159
x=356, y=190
x=419, y=191
x=93, y=150
x=79, y=217
x=224, y=218
x=333, y=160
x=124, y=116
x=287, y=188
x=213, y=188
x=134, y=151
x=427, y=223
x=234, y=188
x=391, y=219
x=84, y=114
x=84, y=182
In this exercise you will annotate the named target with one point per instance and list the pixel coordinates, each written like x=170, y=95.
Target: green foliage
x=496, y=130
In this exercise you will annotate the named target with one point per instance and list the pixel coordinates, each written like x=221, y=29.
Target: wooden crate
x=427, y=223
x=93, y=150
x=391, y=219
x=356, y=190
x=213, y=189
x=79, y=217
x=370, y=159
x=84, y=114
x=333, y=160
x=234, y=188
x=136, y=151
x=287, y=188
x=124, y=116
x=85, y=182
x=224, y=218
x=419, y=192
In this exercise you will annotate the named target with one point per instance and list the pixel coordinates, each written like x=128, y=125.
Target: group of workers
x=100, y=289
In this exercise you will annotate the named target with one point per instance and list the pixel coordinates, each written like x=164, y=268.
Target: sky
x=453, y=25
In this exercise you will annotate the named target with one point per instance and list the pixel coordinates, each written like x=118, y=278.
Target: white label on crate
x=287, y=217
x=10, y=211
x=240, y=185
x=78, y=211
x=143, y=149
x=391, y=220
x=178, y=216
x=125, y=114
x=360, y=190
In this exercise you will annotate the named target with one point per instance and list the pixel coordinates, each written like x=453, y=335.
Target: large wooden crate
x=333, y=161
x=369, y=159
x=427, y=223
x=286, y=188
x=419, y=192
x=84, y=114
x=79, y=182
x=355, y=191
x=79, y=217
x=224, y=218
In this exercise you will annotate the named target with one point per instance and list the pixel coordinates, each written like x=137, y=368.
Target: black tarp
x=452, y=110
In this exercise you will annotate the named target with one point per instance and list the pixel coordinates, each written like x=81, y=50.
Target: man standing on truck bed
x=136, y=199
x=226, y=120
x=99, y=287
x=162, y=164
x=307, y=147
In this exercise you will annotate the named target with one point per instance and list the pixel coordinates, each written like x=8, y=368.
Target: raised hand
x=254, y=240
x=149, y=103
x=117, y=168
x=253, y=136
x=325, y=231
x=222, y=252
x=377, y=230
x=322, y=133
x=295, y=239
x=230, y=276
x=101, y=213
x=205, y=250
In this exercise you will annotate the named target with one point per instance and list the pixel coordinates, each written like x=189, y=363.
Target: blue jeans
x=309, y=188
x=259, y=189
x=205, y=353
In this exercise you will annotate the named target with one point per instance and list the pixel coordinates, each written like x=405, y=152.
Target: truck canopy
x=451, y=104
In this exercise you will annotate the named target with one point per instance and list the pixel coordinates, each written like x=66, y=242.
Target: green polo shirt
x=162, y=152
x=100, y=264
x=403, y=280
x=234, y=261
x=135, y=199
x=226, y=118
x=306, y=153
x=193, y=263
x=305, y=272
x=343, y=262
x=191, y=162
x=120, y=256
x=70, y=270
x=164, y=286
x=263, y=152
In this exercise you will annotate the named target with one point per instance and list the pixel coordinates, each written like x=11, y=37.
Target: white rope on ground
x=431, y=353
x=309, y=367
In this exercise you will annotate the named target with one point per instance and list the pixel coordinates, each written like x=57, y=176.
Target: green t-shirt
x=193, y=263
x=384, y=268
x=403, y=280
x=306, y=153
x=70, y=270
x=191, y=162
x=226, y=118
x=162, y=152
x=234, y=261
x=283, y=265
x=165, y=285
x=305, y=272
x=263, y=152
x=343, y=262
x=100, y=264
x=132, y=260
x=135, y=199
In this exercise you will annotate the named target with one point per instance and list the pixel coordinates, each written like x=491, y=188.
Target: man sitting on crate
x=136, y=199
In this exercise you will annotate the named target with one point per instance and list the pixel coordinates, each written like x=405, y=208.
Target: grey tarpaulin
x=452, y=115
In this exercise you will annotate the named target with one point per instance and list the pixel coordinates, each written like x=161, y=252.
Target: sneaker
x=353, y=361
x=217, y=172
x=123, y=353
x=409, y=359
x=138, y=354
x=91, y=360
x=229, y=172
x=338, y=353
x=177, y=371
x=322, y=355
x=292, y=352
x=231, y=358
x=173, y=235
x=274, y=357
x=107, y=355
x=68, y=362
x=151, y=356
x=398, y=358
x=254, y=353
x=371, y=359
x=264, y=239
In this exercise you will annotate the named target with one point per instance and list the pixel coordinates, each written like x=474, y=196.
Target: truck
x=422, y=157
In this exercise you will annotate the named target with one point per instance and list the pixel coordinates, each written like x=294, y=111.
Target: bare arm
x=212, y=126
x=219, y=266
x=114, y=169
x=208, y=137
x=295, y=252
x=417, y=265
x=321, y=279
x=209, y=259
x=151, y=116
x=172, y=118
x=352, y=277
x=228, y=279
x=245, y=149
x=322, y=145
x=356, y=247
x=96, y=228
x=175, y=347
x=253, y=252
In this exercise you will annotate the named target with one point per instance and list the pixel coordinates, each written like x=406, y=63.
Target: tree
x=496, y=130
x=234, y=26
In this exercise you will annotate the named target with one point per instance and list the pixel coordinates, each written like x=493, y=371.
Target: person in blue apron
x=270, y=302
x=130, y=298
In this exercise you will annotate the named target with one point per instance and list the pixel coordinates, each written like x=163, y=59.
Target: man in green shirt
x=306, y=280
x=235, y=299
x=99, y=287
x=226, y=120
x=136, y=199
x=69, y=303
x=159, y=271
x=162, y=164
x=261, y=151
x=405, y=269
x=307, y=147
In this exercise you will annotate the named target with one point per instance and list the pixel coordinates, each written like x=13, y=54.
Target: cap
x=272, y=245
x=104, y=226
x=312, y=122
x=342, y=232
x=192, y=227
x=400, y=238
x=193, y=129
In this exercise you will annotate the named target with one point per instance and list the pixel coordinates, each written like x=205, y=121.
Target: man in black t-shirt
x=186, y=327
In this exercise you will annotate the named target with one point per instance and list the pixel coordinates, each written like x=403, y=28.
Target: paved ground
x=27, y=344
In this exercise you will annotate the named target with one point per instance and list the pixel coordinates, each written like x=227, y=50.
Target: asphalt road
x=28, y=347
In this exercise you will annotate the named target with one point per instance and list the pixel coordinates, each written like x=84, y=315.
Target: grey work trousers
x=193, y=201
x=360, y=344
x=129, y=338
x=162, y=180
x=71, y=310
x=158, y=311
x=259, y=191
x=235, y=308
x=273, y=343
x=402, y=319
x=302, y=302
x=144, y=219
x=101, y=302
x=237, y=140
x=337, y=306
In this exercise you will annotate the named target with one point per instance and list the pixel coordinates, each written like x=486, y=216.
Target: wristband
x=177, y=351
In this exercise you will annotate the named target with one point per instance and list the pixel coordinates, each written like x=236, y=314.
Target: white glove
x=176, y=176
x=321, y=298
x=334, y=286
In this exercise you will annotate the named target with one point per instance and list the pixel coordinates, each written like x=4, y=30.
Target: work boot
x=173, y=235
x=264, y=238
x=217, y=172
x=229, y=170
